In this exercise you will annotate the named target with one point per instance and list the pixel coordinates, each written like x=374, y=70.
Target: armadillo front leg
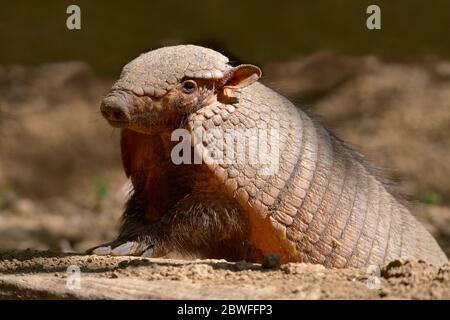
x=130, y=241
x=207, y=224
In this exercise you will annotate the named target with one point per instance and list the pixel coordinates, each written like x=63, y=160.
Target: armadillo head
x=160, y=88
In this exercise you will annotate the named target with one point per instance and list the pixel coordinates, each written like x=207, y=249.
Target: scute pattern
x=158, y=71
x=321, y=199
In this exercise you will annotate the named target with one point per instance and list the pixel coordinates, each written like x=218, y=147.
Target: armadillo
x=311, y=199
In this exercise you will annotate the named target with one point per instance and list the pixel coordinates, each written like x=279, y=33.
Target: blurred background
x=386, y=91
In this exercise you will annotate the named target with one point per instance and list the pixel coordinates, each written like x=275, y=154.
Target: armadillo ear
x=242, y=76
x=237, y=78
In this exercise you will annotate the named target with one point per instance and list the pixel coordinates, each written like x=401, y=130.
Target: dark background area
x=260, y=31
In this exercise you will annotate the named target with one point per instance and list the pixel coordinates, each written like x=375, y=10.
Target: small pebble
x=271, y=261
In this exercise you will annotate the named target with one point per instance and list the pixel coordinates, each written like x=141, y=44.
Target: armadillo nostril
x=115, y=112
x=118, y=115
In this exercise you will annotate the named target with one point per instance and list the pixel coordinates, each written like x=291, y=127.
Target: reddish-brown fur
x=159, y=189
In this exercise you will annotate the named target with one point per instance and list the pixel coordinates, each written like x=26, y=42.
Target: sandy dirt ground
x=47, y=275
x=61, y=182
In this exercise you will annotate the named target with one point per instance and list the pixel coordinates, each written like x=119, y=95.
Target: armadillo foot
x=123, y=248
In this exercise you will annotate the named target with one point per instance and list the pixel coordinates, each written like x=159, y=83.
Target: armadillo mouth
x=118, y=123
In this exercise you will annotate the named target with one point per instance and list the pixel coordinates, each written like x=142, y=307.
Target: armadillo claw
x=130, y=248
x=149, y=253
x=102, y=251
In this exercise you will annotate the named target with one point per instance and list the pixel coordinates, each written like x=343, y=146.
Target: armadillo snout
x=115, y=109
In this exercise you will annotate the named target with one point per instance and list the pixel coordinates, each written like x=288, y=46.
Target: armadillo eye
x=189, y=86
